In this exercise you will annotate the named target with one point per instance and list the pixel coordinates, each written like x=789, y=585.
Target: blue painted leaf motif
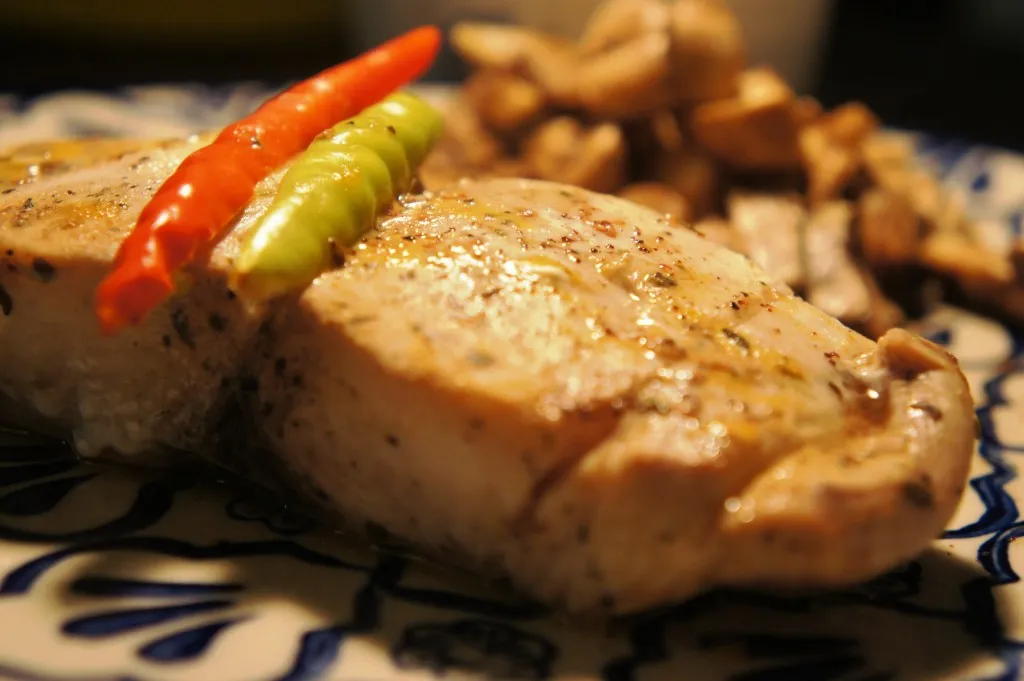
x=185, y=645
x=491, y=648
x=1000, y=508
x=115, y=622
x=131, y=588
x=317, y=651
x=21, y=579
x=180, y=646
x=41, y=497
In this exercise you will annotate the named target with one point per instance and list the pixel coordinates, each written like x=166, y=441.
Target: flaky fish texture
x=551, y=385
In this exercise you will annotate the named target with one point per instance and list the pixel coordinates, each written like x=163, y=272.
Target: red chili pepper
x=214, y=183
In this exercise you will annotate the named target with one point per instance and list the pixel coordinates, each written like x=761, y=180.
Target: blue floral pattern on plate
x=108, y=573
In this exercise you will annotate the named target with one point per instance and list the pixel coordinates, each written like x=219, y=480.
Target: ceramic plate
x=117, y=574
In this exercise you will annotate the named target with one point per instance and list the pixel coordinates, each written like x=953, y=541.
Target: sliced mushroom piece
x=806, y=110
x=667, y=130
x=659, y=197
x=562, y=150
x=973, y=267
x=694, y=176
x=831, y=150
x=626, y=81
x=756, y=130
x=505, y=102
x=491, y=46
x=465, y=138
x=890, y=162
x=549, y=148
x=888, y=158
x=601, y=165
x=762, y=85
x=547, y=61
x=942, y=210
x=992, y=281
x=834, y=283
x=884, y=313
x=555, y=67
x=618, y=21
x=850, y=123
x=768, y=226
x=888, y=228
x=707, y=50
x=829, y=164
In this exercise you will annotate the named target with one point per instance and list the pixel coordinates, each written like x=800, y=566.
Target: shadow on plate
x=167, y=571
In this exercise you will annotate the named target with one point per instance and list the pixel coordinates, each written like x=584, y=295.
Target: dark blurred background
x=948, y=67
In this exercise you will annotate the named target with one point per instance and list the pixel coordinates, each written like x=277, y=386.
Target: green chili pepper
x=334, y=192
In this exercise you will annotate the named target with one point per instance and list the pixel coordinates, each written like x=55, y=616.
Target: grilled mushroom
x=563, y=150
x=707, y=50
x=757, y=129
x=504, y=101
x=659, y=197
x=889, y=231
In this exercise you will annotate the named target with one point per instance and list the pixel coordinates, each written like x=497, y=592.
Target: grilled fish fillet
x=552, y=385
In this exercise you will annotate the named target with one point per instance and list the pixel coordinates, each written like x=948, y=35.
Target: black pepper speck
x=736, y=338
x=662, y=280
x=217, y=322
x=583, y=534
x=44, y=269
x=179, y=322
